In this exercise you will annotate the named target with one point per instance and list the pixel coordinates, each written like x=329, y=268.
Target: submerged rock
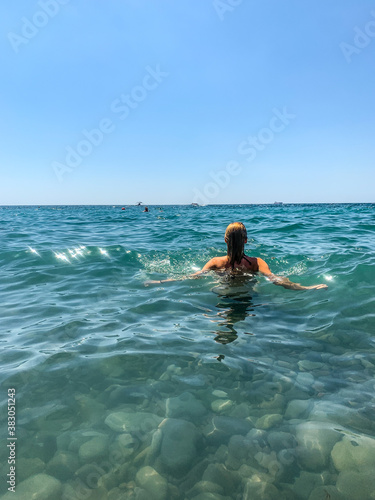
x=277, y=402
x=205, y=487
x=185, y=406
x=354, y=453
x=192, y=380
x=305, y=380
x=327, y=492
x=128, y=394
x=221, y=428
x=151, y=481
x=41, y=487
x=126, y=444
x=27, y=467
x=306, y=365
x=219, y=394
x=315, y=440
x=94, y=449
x=209, y=496
x=281, y=440
x=269, y=461
x=220, y=475
x=179, y=444
x=306, y=483
x=137, y=422
x=260, y=490
x=222, y=405
x=268, y=421
x=63, y=465
x=298, y=408
x=357, y=485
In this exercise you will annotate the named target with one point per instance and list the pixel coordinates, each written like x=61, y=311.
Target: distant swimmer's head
x=235, y=238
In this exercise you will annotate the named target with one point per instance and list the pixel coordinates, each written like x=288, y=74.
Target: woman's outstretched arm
x=282, y=281
x=211, y=264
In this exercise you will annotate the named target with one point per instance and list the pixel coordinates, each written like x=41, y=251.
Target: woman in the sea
x=236, y=260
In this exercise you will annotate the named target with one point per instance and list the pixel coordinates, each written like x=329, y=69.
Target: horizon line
x=189, y=204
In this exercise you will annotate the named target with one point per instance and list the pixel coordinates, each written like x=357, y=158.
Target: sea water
x=213, y=388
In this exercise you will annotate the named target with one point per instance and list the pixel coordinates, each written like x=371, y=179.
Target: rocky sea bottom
x=145, y=427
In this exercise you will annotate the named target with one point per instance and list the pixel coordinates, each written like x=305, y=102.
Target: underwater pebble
x=260, y=491
x=246, y=471
x=243, y=410
x=268, y=421
x=40, y=487
x=27, y=467
x=132, y=422
x=219, y=474
x=306, y=365
x=221, y=428
x=179, y=445
x=257, y=438
x=126, y=444
x=209, y=496
x=305, y=380
x=154, y=448
x=222, y=405
x=192, y=380
x=276, y=403
x=268, y=461
x=62, y=465
x=354, y=453
x=356, y=485
x=298, y=408
x=238, y=447
x=185, y=406
x=116, y=475
x=281, y=440
x=80, y=490
x=72, y=441
x=205, y=487
x=219, y=394
x=151, y=481
x=172, y=370
x=306, y=482
x=93, y=449
x=128, y=394
x=327, y=492
x=315, y=440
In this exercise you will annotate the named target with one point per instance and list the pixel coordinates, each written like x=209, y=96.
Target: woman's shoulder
x=220, y=262
x=215, y=263
x=252, y=262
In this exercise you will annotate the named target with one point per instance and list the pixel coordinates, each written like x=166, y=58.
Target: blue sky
x=214, y=101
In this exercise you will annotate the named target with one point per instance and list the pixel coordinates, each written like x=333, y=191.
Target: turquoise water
x=206, y=389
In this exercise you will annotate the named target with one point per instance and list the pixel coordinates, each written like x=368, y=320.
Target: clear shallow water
x=200, y=389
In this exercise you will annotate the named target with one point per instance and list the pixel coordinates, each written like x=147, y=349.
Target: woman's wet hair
x=235, y=237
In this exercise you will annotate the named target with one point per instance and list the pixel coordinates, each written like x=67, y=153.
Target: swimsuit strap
x=249, y=261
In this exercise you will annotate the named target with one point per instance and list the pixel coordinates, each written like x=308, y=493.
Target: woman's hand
x=316, y=287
